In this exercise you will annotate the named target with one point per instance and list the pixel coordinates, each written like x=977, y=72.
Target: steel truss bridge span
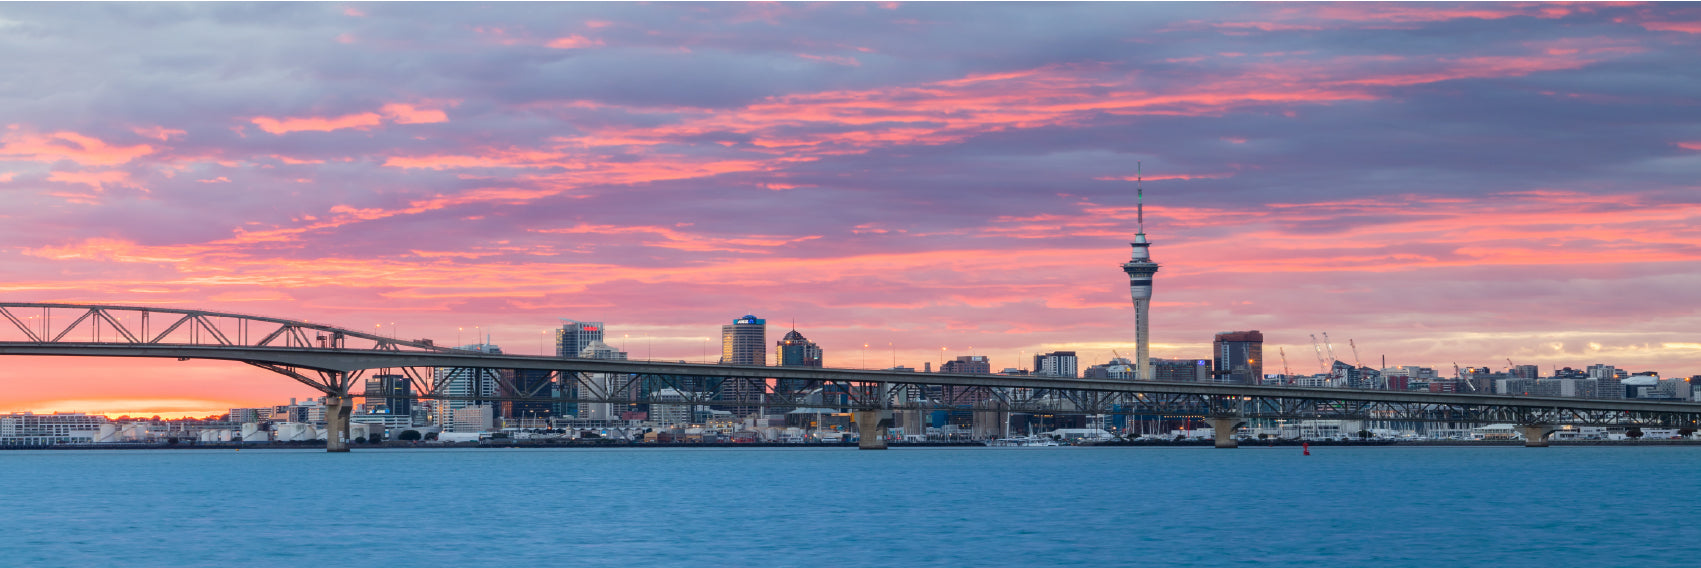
x=332, y=360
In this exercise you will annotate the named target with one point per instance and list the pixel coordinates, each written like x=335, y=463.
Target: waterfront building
x=474, y=418
x=574, y=336
x=670, y=414
x=1055, y=364
x=31, y=429
x=246, y=415
x=1238, y=357
x=744, y=342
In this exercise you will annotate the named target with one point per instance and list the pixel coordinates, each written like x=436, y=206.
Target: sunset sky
x=1439, y=182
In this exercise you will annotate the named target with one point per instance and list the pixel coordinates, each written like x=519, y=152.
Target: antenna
x=1139, y=197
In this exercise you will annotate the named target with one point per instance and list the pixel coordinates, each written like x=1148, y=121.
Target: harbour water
x=1387, y=506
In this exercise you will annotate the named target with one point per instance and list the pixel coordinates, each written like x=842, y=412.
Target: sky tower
x=1140, y=270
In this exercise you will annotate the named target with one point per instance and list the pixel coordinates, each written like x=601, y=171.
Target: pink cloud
x=1685, y=27
x=84, y=150
x=410, y=114
x=157, y=132
x=280, y=126
x=398, y=113
x=574, y=41
x=96, y=180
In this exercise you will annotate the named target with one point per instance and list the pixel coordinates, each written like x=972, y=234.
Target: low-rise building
x=30, y=429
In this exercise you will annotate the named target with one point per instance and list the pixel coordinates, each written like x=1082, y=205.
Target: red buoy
x=1307, y=447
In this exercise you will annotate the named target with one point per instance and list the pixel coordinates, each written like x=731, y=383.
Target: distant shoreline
x=618, y=444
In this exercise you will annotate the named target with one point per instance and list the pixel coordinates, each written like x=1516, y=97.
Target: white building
x=669, y=414
x=603, y=382
x=30, y=429
x=480, y=418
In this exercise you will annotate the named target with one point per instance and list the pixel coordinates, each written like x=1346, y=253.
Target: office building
x=794, y=350
x=1182, y=370
x=1239, y=357
x=744, y=342
x=574, y=336
x=468, y=383
x=1056, y=364
x=797, y=351
x=389, y=394
x=968, y=365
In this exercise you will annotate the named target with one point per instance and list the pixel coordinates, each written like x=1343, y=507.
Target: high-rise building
x=1239, y=357
x=389, y=394
x=796, y=351
x=1140, y=270
x=528, y=413
x=574, y=336
x=1608, y=381
x=1524, y=372
x=1055, y=364
x=744, y=342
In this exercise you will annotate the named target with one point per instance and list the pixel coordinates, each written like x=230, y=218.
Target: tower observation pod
x=1140, y=270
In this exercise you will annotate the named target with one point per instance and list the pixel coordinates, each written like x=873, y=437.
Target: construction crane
x=1321, y=368
x=1355, y=353
x=1330, y=347
x=1461, y=376
x=1284, y=353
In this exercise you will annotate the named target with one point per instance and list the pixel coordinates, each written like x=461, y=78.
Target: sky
x=1439, y=183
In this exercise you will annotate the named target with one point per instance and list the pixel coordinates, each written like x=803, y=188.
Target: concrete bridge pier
x=337, y=411
x=872, y=426
x=1222, y=429
x=1535, y=435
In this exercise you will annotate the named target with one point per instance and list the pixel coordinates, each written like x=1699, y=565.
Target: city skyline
x=1480, y=182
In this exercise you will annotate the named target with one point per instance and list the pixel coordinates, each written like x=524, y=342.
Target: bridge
x=333, y=360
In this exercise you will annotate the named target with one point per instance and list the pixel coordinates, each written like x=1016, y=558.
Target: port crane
x=1321, y=368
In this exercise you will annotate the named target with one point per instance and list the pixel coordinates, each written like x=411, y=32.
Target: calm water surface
x=1551, y=507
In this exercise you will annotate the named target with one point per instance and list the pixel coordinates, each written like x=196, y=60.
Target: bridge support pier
x=1535, y=435
x=872, y=426
x=1222, y=429
x=337, y=410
